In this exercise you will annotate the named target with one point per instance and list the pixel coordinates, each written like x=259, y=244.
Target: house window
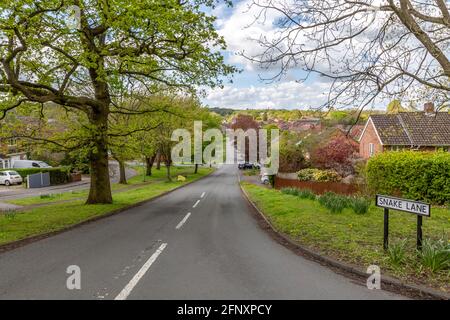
x=371, y=149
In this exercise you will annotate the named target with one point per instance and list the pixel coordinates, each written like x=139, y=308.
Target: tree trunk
x=158, y=160
x=169, y=178
x=196, y=168
x=100, y=189
x=122, y=173
x=149, y=164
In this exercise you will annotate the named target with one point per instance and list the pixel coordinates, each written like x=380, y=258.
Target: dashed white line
x=183, y=221
x=133, y=282
x=196, y=204
x=203, y=194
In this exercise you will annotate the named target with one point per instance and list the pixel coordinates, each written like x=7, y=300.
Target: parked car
x=245, y=165
x=10, y=177
x=22, y=164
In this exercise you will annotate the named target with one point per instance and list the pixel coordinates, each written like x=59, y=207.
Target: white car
x=10, y=177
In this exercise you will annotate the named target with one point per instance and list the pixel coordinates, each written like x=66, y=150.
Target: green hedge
x=410, y=174
x=59, y=175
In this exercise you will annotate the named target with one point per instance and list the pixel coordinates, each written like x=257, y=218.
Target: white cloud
x=289, y=95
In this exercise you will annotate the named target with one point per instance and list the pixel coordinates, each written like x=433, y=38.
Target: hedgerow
x=411, y=174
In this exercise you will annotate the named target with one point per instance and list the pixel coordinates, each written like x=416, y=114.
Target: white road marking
x=133, y=282
x=198, y=201
x=203, y=194
x=183, y=221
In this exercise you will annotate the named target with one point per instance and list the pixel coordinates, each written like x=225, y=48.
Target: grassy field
x=77, y=194
x=20, y=225
x=355, y=238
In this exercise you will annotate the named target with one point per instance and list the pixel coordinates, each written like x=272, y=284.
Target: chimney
x=428, y=108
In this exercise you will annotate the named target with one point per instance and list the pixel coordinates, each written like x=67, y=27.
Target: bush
x=359, y=205
x=58, y=175
x=318, y=175
x=435, y=255
x=334, y=202
x=414, y=175
x=337, y=154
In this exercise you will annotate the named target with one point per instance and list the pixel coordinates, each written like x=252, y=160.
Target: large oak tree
x=79, y=54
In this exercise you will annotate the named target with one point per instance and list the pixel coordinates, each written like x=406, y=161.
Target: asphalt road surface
x=199, y=242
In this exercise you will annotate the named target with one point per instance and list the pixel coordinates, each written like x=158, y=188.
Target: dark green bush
x=410, y=174
x=59, y=175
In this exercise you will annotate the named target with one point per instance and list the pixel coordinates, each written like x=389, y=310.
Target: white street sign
x=416, y=207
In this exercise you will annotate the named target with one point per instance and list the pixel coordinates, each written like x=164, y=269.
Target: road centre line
x=203, y=194
x=134, y=281
x=183, y=221
x=198, y=201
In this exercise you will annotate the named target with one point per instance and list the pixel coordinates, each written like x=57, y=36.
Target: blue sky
x=236, y=25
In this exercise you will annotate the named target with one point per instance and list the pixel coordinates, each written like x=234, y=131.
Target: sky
x=237, y=25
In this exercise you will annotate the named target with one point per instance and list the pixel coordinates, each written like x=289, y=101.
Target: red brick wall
x=369, y=136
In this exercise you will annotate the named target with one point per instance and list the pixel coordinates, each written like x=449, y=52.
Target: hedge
x=411, y=174
x=59, y=175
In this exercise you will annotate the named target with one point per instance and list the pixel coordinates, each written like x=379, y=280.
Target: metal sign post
x=421, y=209
x=386, y=229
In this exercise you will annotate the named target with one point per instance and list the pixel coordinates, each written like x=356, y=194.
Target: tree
x=338, y=154
x=44, y=60
x=366, y=48
x=291, y=158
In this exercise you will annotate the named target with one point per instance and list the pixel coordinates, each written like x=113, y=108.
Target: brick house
x=426, y=130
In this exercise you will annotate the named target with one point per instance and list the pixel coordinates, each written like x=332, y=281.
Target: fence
x=38, y=180
x=317, y=187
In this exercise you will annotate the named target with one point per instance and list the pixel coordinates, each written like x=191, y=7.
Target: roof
x=413, y=128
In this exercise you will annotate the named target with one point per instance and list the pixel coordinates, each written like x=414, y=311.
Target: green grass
x=57, y=216
x=355, y=238
x=77, y=194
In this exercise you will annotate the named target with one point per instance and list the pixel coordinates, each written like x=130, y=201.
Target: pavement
x=198, y=242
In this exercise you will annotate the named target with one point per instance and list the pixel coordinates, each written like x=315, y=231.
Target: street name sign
x=421, y=209
x=416, y=207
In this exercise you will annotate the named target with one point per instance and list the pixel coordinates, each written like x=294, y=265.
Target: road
x=160, y=251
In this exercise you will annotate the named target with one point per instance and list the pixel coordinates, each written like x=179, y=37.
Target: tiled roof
x=413, y=128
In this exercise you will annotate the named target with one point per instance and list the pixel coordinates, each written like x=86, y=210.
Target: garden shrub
x=58, y=175
x=312, y=174
x=397, y=252
x=410, y=174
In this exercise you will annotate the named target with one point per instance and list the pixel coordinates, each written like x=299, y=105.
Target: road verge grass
x=41, y=220
x=356, y=238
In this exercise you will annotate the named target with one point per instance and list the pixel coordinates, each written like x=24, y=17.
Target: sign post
x=421, y=209
x=386, y=229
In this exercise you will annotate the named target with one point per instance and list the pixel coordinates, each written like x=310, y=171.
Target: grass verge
x=355, y=238
x=76, y=194
x=20, y=225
